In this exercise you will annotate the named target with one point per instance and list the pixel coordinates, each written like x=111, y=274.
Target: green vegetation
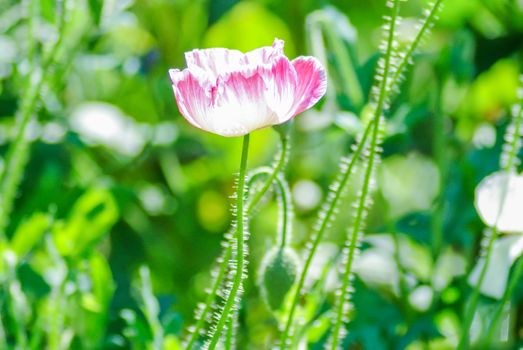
x=386, y=217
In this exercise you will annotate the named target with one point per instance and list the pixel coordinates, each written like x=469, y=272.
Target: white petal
x=505, y=251
x=489, y=193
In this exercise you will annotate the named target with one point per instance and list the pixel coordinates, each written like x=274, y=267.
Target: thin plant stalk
x=286, y=215
x=509, y=162
x=17, y=155
x=239, y=237
x=441, y=161
x=222, y=269
x=471, y=310
x=366, y=187
x=513, y=282
x=346, y=172
x=258, y=195
x=425, y=27
x=325, y=222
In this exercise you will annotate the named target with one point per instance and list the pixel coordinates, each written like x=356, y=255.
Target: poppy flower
x=230, y=93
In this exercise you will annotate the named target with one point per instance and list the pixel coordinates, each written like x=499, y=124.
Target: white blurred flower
x=499, y=200
x=484, y=136
x=421, y=298
x=504, y=252
x=307, y=194
x=409, y=183
x=100, y=123
x=505, y=215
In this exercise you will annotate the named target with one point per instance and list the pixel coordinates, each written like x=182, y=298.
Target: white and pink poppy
x=230, y=93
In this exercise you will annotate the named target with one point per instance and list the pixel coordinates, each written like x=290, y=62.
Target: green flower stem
x=366, y=187
x=285, y=216
x=18, y=153
x=516, y=275
x=283, y=198
x=150, y=308
x=3, y=341
x=513, y=282
x=30, y=4
x=406, y=59
x=469, y=314
x=240, y=258
x=514, y=140
x=441, y=161
x=229, y=339
x=346, y=171
x=279, y=165
x=14, y=288
x=222, y=269
x=353, y=242
x=402, y=272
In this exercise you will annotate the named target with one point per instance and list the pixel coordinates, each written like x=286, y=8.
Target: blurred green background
x=120, y=179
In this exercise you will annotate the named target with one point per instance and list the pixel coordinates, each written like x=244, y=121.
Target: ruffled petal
x=312, y=82
x=194, y=95
x=214, y=61
x=219, y=61
x=281, y=82
x=265, y=55
x=240, y=105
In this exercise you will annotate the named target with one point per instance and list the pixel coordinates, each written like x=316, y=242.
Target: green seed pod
x=277, y=275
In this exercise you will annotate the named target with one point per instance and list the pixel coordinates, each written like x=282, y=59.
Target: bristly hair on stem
x=324, y=221
x=386, y=68
x=430, y=16
x=509, y=160
x=398, y=63
x=238, y=262
x=219, y=273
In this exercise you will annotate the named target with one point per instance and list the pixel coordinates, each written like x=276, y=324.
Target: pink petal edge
x=190, y=90
x=312, y=82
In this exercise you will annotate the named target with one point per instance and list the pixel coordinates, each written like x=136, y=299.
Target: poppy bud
x=277, y=275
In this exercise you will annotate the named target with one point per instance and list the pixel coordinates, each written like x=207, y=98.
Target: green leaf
x=171, y=343
x=101, y=278
x=29, y=233
x=91, y=218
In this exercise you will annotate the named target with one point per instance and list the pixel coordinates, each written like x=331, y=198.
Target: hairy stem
x=222, y=268
x=359, y=219
x=325, y=220
x=283, y=196
x=407, y=58
x=279, y=165
x=285, y=214
x=236, y=287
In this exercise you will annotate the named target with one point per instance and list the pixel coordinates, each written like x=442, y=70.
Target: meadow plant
x=411, y=163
